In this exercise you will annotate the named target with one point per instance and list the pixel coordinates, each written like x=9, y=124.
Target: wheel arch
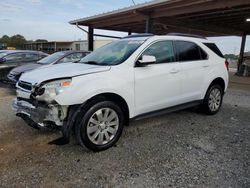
x=220, y=81
x=119, y=100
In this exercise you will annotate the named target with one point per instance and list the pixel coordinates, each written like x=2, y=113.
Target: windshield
x=113, y=53
x=52, y=58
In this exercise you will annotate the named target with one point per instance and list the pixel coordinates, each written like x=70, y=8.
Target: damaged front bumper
x=37, y=116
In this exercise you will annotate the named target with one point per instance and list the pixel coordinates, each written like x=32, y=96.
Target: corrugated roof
x=206, y=17
x=129, y=8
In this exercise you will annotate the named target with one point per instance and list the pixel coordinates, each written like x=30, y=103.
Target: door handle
x=174, y=71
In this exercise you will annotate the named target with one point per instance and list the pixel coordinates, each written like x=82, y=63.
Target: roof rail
x=139, y=35
x=186, y=35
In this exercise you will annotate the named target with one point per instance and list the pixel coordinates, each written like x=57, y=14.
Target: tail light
x=227, y=65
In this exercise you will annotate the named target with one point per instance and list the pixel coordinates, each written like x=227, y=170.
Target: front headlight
x=50, y=90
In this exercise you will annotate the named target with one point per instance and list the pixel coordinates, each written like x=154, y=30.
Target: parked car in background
x=55, y=58
x=10, y=59
x=132, y=78
x=4, y=51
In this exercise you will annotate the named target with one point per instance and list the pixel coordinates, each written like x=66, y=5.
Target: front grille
x=25, y=85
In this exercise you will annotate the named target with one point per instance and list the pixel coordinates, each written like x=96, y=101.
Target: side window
x=41, y=56
x=84, y=54
x=163, y=51
x=188, y=51
x=31, y=57
x=77, y=56
x=14, y=58
x=214, y=48
x=71, y=58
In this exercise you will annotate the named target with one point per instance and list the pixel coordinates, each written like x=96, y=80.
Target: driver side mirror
x=147, y=59
x=2, y=60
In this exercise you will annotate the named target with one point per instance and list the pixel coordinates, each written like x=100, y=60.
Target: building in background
x=54, y=46
x=3, y=46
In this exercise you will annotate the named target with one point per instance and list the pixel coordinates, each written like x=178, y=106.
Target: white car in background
x=132, y=78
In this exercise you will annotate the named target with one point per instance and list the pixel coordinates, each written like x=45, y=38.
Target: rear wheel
x=213, y=100
x=100, y=126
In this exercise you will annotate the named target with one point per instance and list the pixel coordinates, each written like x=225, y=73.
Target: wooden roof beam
x=202, y=27
x=216, y=12
x=242, y=13
x=206, y=6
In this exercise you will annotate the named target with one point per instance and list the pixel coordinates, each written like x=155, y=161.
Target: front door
x=158, y=85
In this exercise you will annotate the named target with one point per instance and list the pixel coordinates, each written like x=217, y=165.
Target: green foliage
x=5, y=39
x=16, y=41
x=230, y=56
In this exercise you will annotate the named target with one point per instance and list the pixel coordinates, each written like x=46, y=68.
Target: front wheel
x=213, y=100
x=100, y=126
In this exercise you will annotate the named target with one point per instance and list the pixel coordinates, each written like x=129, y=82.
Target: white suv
x=135, y=77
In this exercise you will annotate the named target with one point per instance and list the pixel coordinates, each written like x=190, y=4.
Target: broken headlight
x=48, y=91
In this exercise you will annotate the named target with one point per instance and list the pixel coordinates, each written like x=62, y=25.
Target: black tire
x=205, y=105
x=82, y=122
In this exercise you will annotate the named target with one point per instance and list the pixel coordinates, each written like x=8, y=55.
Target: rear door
x=29, y=57
x=195, y=66
x=158, y=86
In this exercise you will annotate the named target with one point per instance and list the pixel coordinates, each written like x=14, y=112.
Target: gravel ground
x=181, y=149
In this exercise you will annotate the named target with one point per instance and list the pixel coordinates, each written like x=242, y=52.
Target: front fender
x=88, y=86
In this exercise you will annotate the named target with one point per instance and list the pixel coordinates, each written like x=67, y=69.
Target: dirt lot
x=182, y=149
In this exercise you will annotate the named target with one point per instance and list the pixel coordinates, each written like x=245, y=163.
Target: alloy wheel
x=214, y=100
x=102, y=126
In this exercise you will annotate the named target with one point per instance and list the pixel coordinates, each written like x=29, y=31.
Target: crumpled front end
x=37, y=113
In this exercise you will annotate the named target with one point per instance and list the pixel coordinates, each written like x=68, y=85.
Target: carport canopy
x=202, y=17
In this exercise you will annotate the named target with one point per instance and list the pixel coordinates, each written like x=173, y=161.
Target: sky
x=48, y=19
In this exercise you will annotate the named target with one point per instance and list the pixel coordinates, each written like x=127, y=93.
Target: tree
x=5, y=39
x=17, y=41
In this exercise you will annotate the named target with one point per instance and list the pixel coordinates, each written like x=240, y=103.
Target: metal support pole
x=242, y=49
x=149, y=25
x=55, y=47
x=91, y=38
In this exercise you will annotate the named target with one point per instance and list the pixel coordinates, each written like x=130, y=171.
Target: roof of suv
x=170, y=37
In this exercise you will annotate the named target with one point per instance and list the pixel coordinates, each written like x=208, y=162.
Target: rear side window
x=71, y=58
x=31, y=57
x=214, y=48
x=42, y=56
x=188, y=51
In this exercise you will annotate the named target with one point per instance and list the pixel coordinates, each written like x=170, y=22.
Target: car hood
x=64, y=70
x=25, y=68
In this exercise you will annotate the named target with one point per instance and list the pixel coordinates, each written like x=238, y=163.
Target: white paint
x=144, y=89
